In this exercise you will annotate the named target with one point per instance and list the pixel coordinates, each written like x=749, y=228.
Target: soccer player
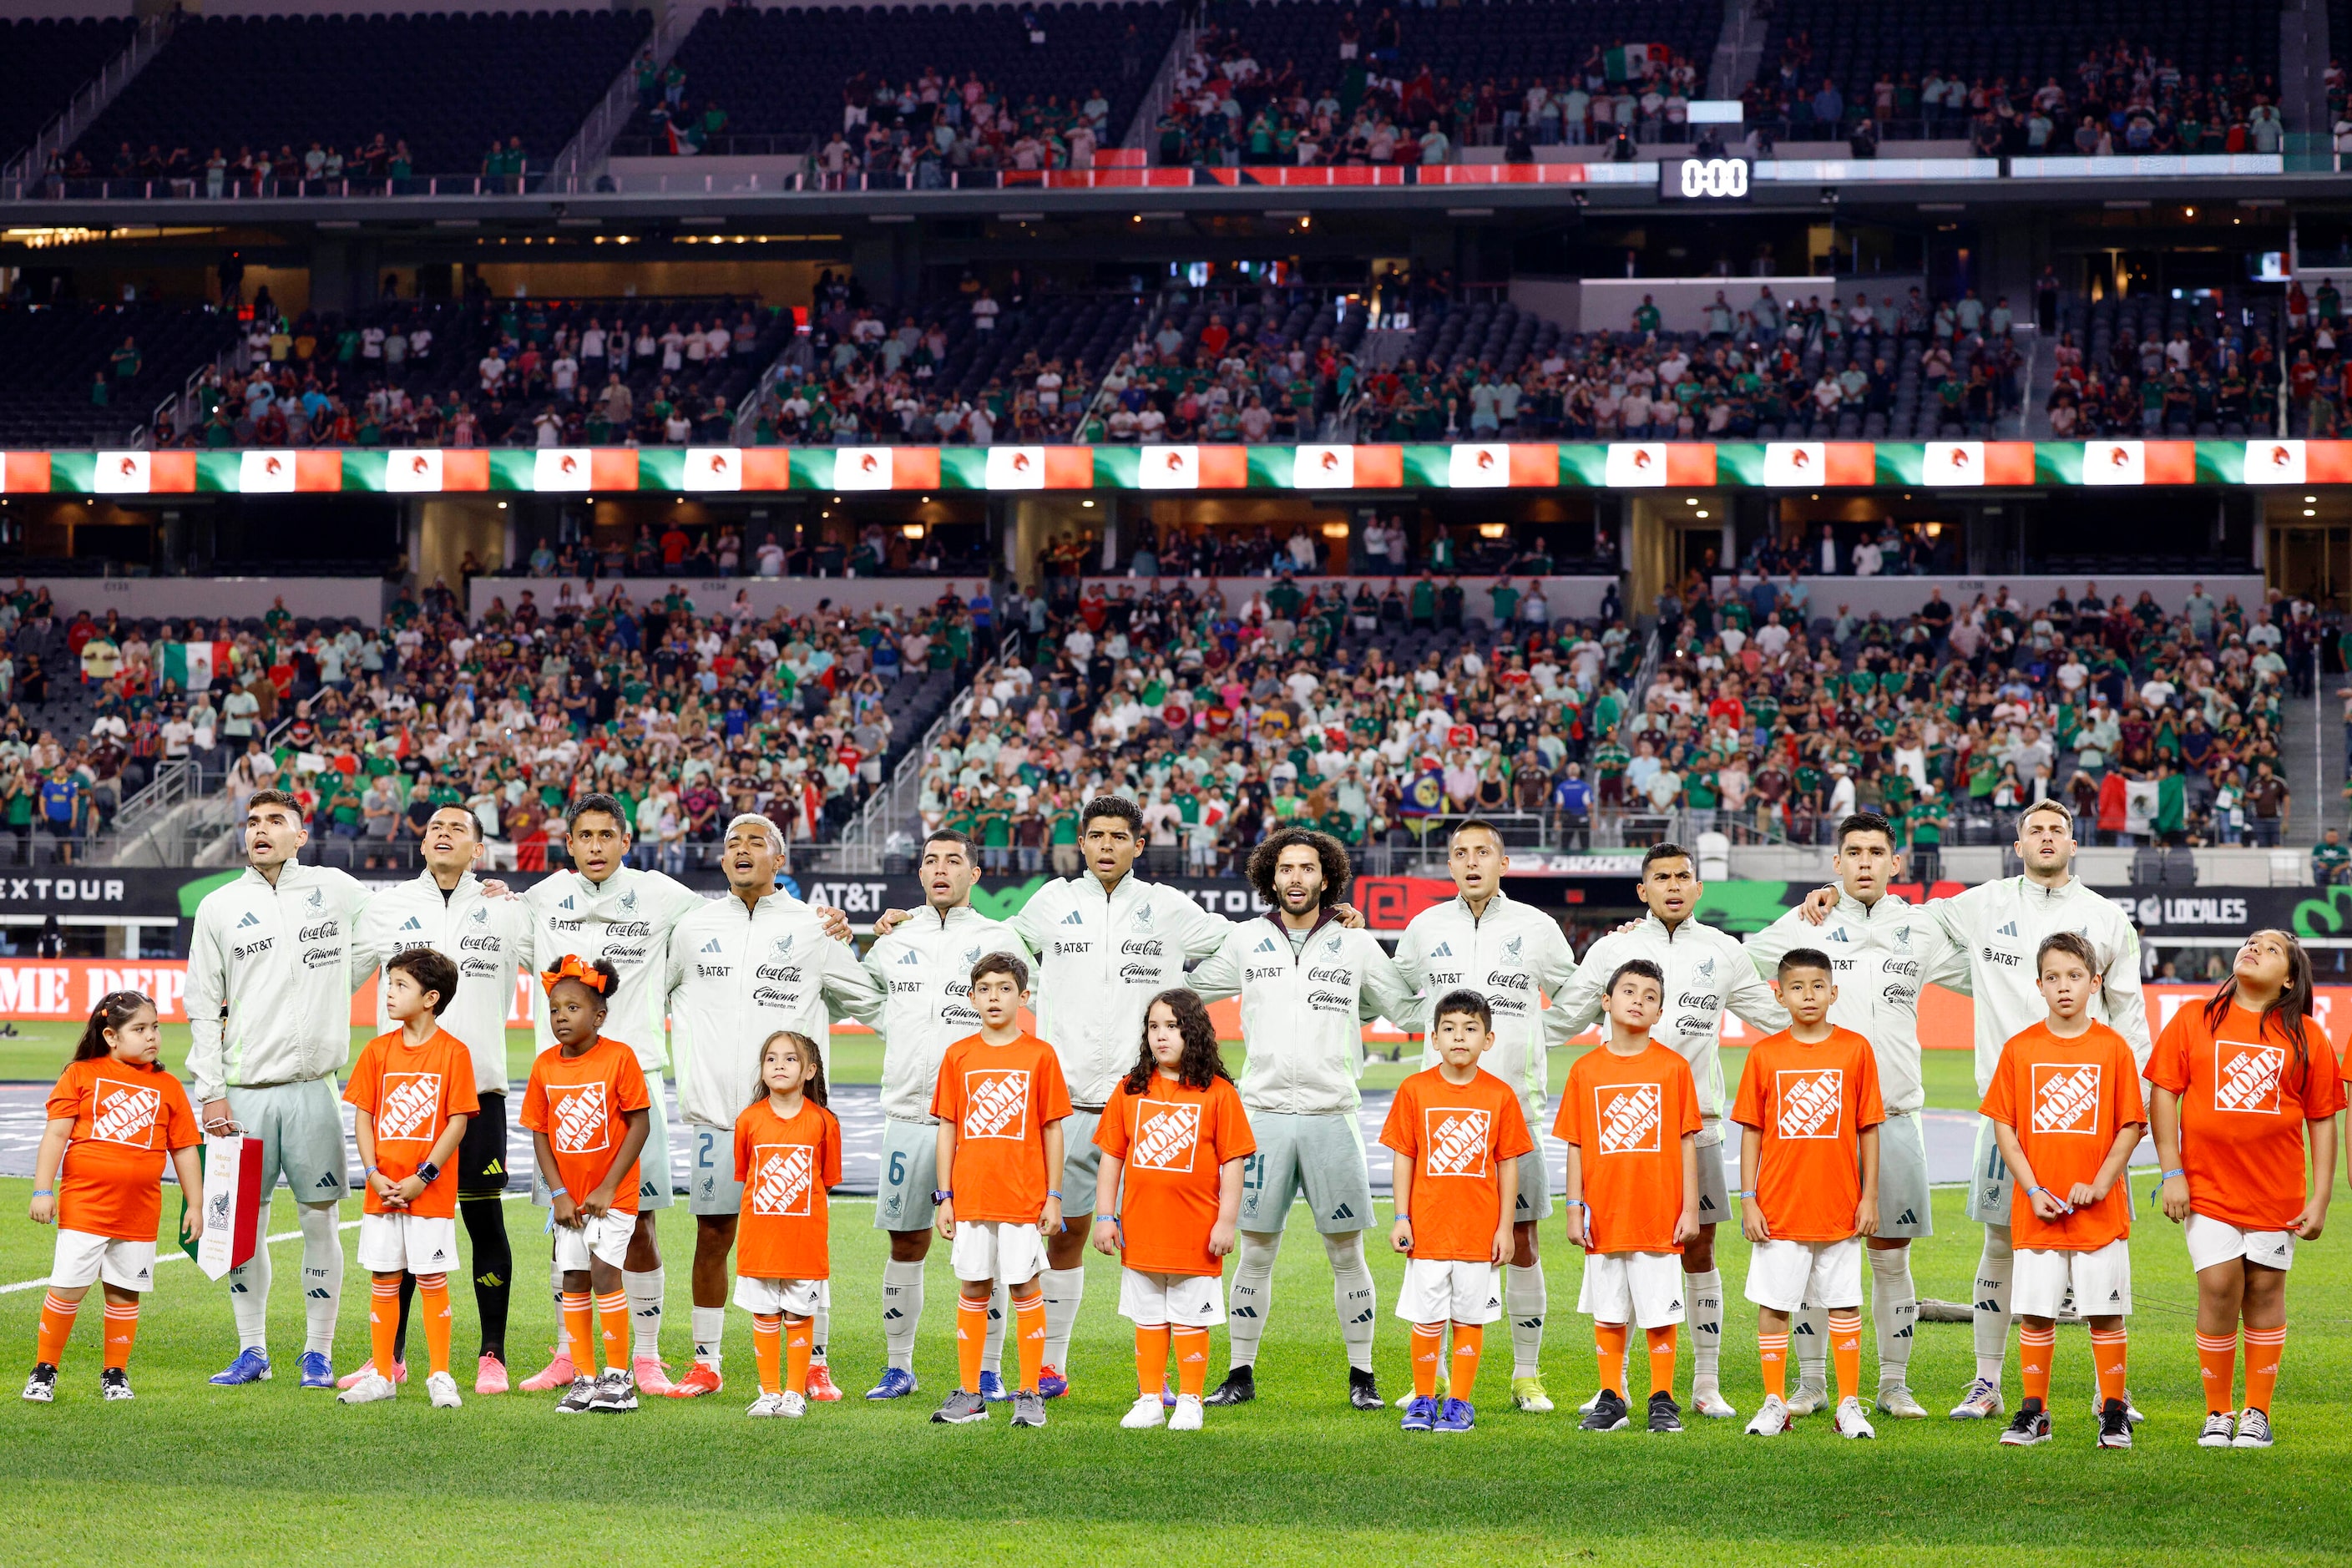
x=787, y=1153
x=1706, y=974
x=114, y=1119
x=1306, y=983
x=1001, y=1104
x=1884, y=950
x=1458, y=1135
x=1809, y=1111
x=269, y=1008
x=1513, y=955
x=2240, y=1084
x=413, y=1094
x=1630, y=1118
x=1168, y=1199
x=922, y=968
x=740, y=969
x=2064, y=1103
x=1998, y=926
x=587, y=1109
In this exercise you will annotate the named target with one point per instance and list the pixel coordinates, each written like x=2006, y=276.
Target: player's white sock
x=902, y=1312
x=1524, y=1298
x=821, y=1324
x=1352, y=1296
x=1992, y=1302
x=1703, y=1313
x=1809, y=1336
x=1894, y=1309
x=248, y=1299
x=1000, y=1312
x=563, y=1326
x=323, y=1277
x=709, y=1329
x=1065, y=1289
x=1252, y=1296
x=644, y=1288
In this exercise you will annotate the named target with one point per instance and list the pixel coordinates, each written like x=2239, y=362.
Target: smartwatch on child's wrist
x=429, y=1172
x=940, y=1195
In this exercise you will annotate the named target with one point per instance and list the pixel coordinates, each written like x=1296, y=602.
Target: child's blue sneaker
x=251, y=1365
x=1459, y=1416
x=318, y=1372
x=992, y=1389
x=1051, y=1383
x=1420, y=1415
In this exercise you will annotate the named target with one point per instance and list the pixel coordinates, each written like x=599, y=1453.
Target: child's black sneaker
x=1665, y=1415
x=2029, y=1425
x=41, y=1388
x=2114, y=1425
x=114, y=1382
x=1607, y=1413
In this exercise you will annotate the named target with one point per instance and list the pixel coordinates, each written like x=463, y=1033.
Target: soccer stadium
x=793, y=721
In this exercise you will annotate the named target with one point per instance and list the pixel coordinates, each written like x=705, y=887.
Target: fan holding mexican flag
x=194, y=666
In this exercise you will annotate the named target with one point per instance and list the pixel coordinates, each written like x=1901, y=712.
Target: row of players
x=1107, y=943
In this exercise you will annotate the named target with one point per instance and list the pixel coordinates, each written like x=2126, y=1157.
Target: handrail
x=1163, y=89
x=593, y=143
x=95, y=95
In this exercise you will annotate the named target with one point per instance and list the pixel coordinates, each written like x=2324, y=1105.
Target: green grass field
x=271, y=1472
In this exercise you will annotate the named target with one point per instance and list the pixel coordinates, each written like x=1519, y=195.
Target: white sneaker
x=1771, y=1420
x=1850, y=1420
x=1710, y=1402
x=2220, y=1426
x=368, y=1390
x=1186, y=1416
x=2254, y=1430
x=765, y=1405
x=444, y=1390
x=1899, y=1401
x=1811, y=1399
x=1143, y=1415
x=792, y=1407
x=1980, y=1402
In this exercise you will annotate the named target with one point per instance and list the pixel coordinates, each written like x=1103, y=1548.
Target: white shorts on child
x=1442, y=1289
x=606, y=1238
x=1640, y=1288
x=1787, y=1275
x=2213, y=1241
x=420, y=1244
x=84, y=1258
x=997, y=1249
x=2100, y=1280
x=1181, y=1300
x=778, y=1298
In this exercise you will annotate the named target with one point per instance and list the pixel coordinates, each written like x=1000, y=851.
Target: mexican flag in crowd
x=195, y=665
x=1626, y=62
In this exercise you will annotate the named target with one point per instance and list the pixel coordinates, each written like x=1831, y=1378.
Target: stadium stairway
x=2313, y=762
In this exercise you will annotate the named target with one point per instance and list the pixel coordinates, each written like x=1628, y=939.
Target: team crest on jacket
x=781, y=947
x=1706, y=968
x=1812, y=1103
x=1165, y=1135
x=1458, y=1141
x=783, y=1179
x=480, y=917
x=1902, y=939
x=318, y=901
x=629, y=903
x=1511, y=948
x=2246, y=1077
x=2066, y=1097
x=1333, y=944
x=1143, y=915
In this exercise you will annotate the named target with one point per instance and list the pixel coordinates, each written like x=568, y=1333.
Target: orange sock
x=56, y=1327
x=799, y=1335
x=577, y=1320
x=1772, y=1350
x=971, y=1339
x=384, y=1321
x=2107, y=1354
x=2263, y=1348
x=121, y=1331
x=1609, y=1345
x=1469, y=1340
x=768, y=1350
x=2217, y=1363
x=1845, y=1351
x=433, y=1290
x=1150, y=1359
x=1192, y=1361
x=1428, y=1342
x=613, y=1324
x=2034, y=1348
x=1662, y=1359
x=1029, y=1321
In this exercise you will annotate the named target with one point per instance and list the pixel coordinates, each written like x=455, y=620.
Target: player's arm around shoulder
x=1578, y=1004
x=1219, y=976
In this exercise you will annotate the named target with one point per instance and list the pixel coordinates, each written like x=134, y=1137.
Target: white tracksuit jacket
x=270, y=980
x=924, y=971
x=628, y=920
x=1303, y=1010
x=487, y=938
x=1513, y=955
x=1997, y=925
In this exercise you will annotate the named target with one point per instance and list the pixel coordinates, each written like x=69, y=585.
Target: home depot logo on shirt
x=1458, y=1141
x=783, y=1178
x=2066, y=1097
x=995, y=1102
x=1631, y=1116
x=1812, y=1104
x=580, y=1120
x=407, y=1110
x=124, y=1112
x=2246, y=1077
x=1165, y=1135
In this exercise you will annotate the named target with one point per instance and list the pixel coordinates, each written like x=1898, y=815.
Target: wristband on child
x=1744, y=1193
x=44, y=1192
x=2175, y=1171
x=1053, y=1194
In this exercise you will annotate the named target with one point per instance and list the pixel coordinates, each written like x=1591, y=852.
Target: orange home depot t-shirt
x=785, y=1164
x=1001, y=1098
x=412, y=1091
x=1457, y=1136
x=127, y=1121
x=1174, y=1141
x=1627, y=1117
x=581, y=1102
x=1812, y=1104
x=2067, y=1098
x=2244, y=1097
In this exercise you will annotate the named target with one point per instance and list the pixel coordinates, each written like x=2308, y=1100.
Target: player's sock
x=1525, y=1299
x=322, y=1278
x=1846, y=1350
x=709, y=1332
x=435, y=1291
x=1772, y=1351
x=1150, y=1357
x=566, y=1342
x=972, y=1330
x=2108, y=1354
x=1253, y=1298
x=1703, y=1310
x=799, y=1345
x=1469, y=1340
x=383, y=1314
x=1609, y=1345
x=1809, y=1335
x=121, y=1332
x=1192, y=1361
x=1993, y=1269
x=1428, y=1346
x=999, y=1310
x=486, y=1229
x=768, y=1350
x=2263, y=1348
x=399, y=1333
x=579, y=1339
x=612, y=1323
x=1029, y=1324
x=902, y=1312
x=643, y=1290
x=56, y=1327
x=1065, y=1289
x=821, y=1325
x=2034, y=1348
x=1352, y=1296
x=1893, y=1309
x=1662, y=1360
x=248, y=1299
x=2217, y=1363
